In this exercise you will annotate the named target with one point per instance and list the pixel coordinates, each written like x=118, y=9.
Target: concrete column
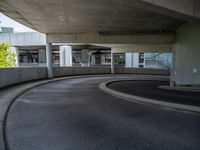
x=98, y=59
x=135, y=60
x=65, y=56
x=85, y=57
x=132, y=60
x=49, y=60
x=16, y=51
x=112, y=64
x=129, y=60
x=42, y=56
x=93, y=59
x=89, y=59
x=186, y=56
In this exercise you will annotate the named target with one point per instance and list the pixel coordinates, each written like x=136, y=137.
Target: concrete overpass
x=72, y=112
x=143, y=24
x=69, y=16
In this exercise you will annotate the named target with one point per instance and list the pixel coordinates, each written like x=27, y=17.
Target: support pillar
x=89, y=59
x=85, y=57
x=186, y=56
x=42, y=56
x=132, y=60
x=49, y=60
x=65, y=56
x=16, y=51
x=112, y=63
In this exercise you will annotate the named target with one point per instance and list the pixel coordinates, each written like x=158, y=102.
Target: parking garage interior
x=96, y=75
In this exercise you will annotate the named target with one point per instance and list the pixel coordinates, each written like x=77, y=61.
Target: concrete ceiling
x=81, y=16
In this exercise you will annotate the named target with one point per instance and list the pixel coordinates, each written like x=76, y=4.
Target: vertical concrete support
x=16, y=51
x=186, y=56
x=93, y=59
x=85, y=57
x=132, y=60
x=89, y=59
x=129, y=60
x=49, y=60
x=65, y=56
x=98, y=58
x=42, y=56
x=112, y=63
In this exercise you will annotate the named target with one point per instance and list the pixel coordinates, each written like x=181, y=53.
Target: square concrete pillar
x=65, y=56
x=85, y=57
x=186, y=56
x=49, y=60
x=112, y=64
x=42, y=56
x=132, y=60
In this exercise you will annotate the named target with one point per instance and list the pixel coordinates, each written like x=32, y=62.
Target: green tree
x=7, y=58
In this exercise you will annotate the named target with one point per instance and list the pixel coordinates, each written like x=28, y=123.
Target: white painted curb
x=133, y=98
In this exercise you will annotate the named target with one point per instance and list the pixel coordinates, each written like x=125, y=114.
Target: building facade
x=30, y=50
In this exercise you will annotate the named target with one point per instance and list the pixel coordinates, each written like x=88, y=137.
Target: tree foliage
x=7, y=58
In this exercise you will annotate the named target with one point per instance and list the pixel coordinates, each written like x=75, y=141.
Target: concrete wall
x=145, y=48
x=9, y=76
x=66, y=71
x=165, y=39
x=186, y=56
x=141, y=71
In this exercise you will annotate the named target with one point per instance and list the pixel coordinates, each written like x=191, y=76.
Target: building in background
x=30, y=50
x=148, y=60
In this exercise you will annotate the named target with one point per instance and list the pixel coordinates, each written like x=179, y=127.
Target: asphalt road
x=150, y=89
x=75, y=115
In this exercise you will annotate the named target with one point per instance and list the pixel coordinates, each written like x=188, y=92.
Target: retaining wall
x=10, y=76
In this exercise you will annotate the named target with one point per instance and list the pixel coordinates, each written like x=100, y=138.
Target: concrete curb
x=132, y=98
x=10, y=94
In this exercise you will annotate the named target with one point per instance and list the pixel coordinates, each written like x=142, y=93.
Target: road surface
x=150, y=89
x=75, y=115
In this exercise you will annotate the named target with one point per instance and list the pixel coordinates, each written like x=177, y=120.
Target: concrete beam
x=69, y=16
x=145, y=48
x=23, y=39
x=97, y=38
x=187, y=10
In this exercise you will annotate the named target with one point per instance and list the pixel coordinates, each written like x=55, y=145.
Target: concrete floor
x=75, y=115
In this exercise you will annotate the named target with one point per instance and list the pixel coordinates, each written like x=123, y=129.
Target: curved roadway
x=75, y=115
x=150, y=89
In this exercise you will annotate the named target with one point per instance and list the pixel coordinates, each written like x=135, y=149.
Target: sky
x=8, y=22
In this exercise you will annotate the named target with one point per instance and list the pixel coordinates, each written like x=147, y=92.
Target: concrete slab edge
x=132, y=98
x=24, y=88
